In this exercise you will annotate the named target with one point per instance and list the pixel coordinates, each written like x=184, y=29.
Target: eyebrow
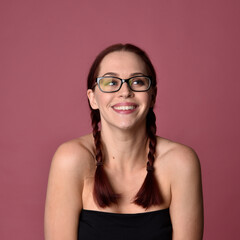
x=131, y=75
x=137, y=74
x=110, y=73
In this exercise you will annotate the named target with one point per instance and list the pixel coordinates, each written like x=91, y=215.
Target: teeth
x=124, y=107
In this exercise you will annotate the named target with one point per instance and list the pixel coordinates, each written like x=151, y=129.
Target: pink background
x=46, y=50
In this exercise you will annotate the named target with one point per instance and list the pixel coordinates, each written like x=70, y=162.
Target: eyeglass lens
x=113, y=84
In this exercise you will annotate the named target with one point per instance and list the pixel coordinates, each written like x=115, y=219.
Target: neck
x=124, y=150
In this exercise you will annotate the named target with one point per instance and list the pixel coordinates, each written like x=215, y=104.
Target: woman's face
x=125, y=108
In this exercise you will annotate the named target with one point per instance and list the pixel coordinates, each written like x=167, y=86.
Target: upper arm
x=63, y=201
x=187, y=203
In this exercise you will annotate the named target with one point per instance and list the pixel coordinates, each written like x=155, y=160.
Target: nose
x=125, y=90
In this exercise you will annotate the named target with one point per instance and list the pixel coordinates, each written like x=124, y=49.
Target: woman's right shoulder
x=76, y=154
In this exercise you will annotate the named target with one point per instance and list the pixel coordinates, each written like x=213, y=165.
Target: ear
x=92, y=99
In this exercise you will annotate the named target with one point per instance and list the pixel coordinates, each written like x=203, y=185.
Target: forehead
x=122, y=62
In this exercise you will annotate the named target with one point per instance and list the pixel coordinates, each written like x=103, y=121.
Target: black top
x=117, y=226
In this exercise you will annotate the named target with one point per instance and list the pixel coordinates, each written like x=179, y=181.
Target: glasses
x=110, y=84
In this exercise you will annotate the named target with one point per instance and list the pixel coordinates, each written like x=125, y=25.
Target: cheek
x=149, y=99
x=103, y=100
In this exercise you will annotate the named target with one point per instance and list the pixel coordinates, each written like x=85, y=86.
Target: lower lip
x=124, y=111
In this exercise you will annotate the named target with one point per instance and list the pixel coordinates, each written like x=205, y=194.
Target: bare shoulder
x=184, y=174
x=178, y=154
x=76, y=155
x=178, y=158
x=72, y=163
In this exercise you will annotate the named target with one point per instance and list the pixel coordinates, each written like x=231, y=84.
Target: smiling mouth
x=124, y=107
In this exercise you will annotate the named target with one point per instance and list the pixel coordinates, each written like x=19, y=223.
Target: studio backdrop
x=45, y=53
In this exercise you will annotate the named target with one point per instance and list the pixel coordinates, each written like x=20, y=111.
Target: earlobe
x=91, y=99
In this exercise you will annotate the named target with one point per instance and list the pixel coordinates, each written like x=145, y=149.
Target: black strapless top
x=117, y=226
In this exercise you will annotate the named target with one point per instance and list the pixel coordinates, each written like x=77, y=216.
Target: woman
x=122, y=181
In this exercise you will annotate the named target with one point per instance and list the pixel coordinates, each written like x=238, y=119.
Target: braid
x=149, y=193
x=96, y=134
x=102, y=192
x=151, y=131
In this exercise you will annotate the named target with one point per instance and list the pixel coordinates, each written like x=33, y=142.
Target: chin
x=128, y=126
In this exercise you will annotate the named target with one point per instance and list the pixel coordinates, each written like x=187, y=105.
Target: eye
x=109, y=82
x=138, y=81
x=112, y=82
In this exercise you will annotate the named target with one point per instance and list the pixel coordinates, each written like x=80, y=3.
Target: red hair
x=149, y=193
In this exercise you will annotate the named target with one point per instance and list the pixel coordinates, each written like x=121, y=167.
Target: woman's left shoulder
x=177, y=155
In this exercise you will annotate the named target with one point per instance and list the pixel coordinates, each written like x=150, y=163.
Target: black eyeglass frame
x=124, y=81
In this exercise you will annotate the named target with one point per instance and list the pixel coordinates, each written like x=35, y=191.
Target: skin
x=125, y=144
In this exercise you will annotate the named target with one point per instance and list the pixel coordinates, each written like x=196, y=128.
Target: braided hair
x=149, y=193
x=103, y=193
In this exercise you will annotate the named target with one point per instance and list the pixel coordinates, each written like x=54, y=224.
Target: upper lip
x=124, y=104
